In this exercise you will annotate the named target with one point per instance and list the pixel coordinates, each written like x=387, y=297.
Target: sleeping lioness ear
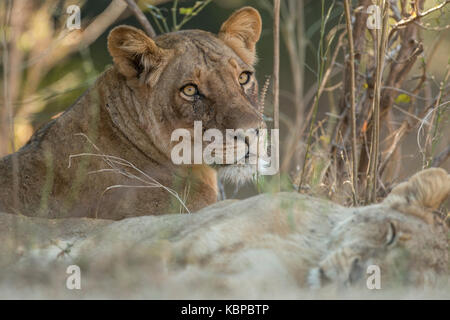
x=241, y=32
x=136, y=55
x=421, y=194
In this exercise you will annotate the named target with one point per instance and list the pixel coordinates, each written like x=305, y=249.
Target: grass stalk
x=348, y=19
x=141, y=18
x=371, y=194
x=321, y=54
x=276, y=80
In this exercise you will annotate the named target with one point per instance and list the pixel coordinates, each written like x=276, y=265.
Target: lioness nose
x=248, y=134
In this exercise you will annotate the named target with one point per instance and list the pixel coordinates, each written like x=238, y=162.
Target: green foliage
x=266, y=184
x=161, y=21
x=322, y=54
x=403, y=98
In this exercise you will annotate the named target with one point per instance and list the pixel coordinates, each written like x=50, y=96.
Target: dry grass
x=352, y=154
x=127, y=169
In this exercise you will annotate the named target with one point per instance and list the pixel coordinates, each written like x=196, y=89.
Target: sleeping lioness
x=109, y=155
x=268, y=246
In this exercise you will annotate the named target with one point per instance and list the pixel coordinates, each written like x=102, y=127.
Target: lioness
x=298, y=240
x=109, y=155
x=267, y=246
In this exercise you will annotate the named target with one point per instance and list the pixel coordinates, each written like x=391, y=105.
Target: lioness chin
x=109, y=154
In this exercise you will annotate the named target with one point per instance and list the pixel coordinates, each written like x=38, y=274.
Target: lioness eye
x=391, y=234
x=190, y=90
x=244, y=77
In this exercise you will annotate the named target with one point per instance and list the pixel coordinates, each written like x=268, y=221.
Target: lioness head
x=182, y=77
x=402, y=240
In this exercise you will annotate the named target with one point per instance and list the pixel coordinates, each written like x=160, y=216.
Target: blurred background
x=45, y=67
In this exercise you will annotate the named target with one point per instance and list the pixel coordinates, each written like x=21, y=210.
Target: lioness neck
x=96, y=161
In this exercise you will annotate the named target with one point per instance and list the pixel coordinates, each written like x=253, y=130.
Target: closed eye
x=391, y=235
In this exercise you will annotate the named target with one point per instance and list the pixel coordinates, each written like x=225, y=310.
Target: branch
x=348, y=19
x=276, y=79
x=415, y=16
x=410, y=48
x=441, y=157
x=141, y=18
x=371, y=195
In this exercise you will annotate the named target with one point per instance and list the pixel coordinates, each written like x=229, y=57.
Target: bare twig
x=141, y=18
x=435, y=119
x=381, y=45
x=441, y=157
x=276, y=79
x=426, y=27
x=416, y=15
x=362, y=104
x=113, y=162
x=352, y=100
x=403, y=130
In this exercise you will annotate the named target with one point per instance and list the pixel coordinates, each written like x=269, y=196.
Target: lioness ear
x=241, y=32
x=136, y=55
x=421, y=194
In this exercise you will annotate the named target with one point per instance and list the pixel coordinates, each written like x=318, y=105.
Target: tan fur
x=268, y=246
x=318, y=243
x=321, y=245
x=422, y=194
x=241, y=32
x=130, y=113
